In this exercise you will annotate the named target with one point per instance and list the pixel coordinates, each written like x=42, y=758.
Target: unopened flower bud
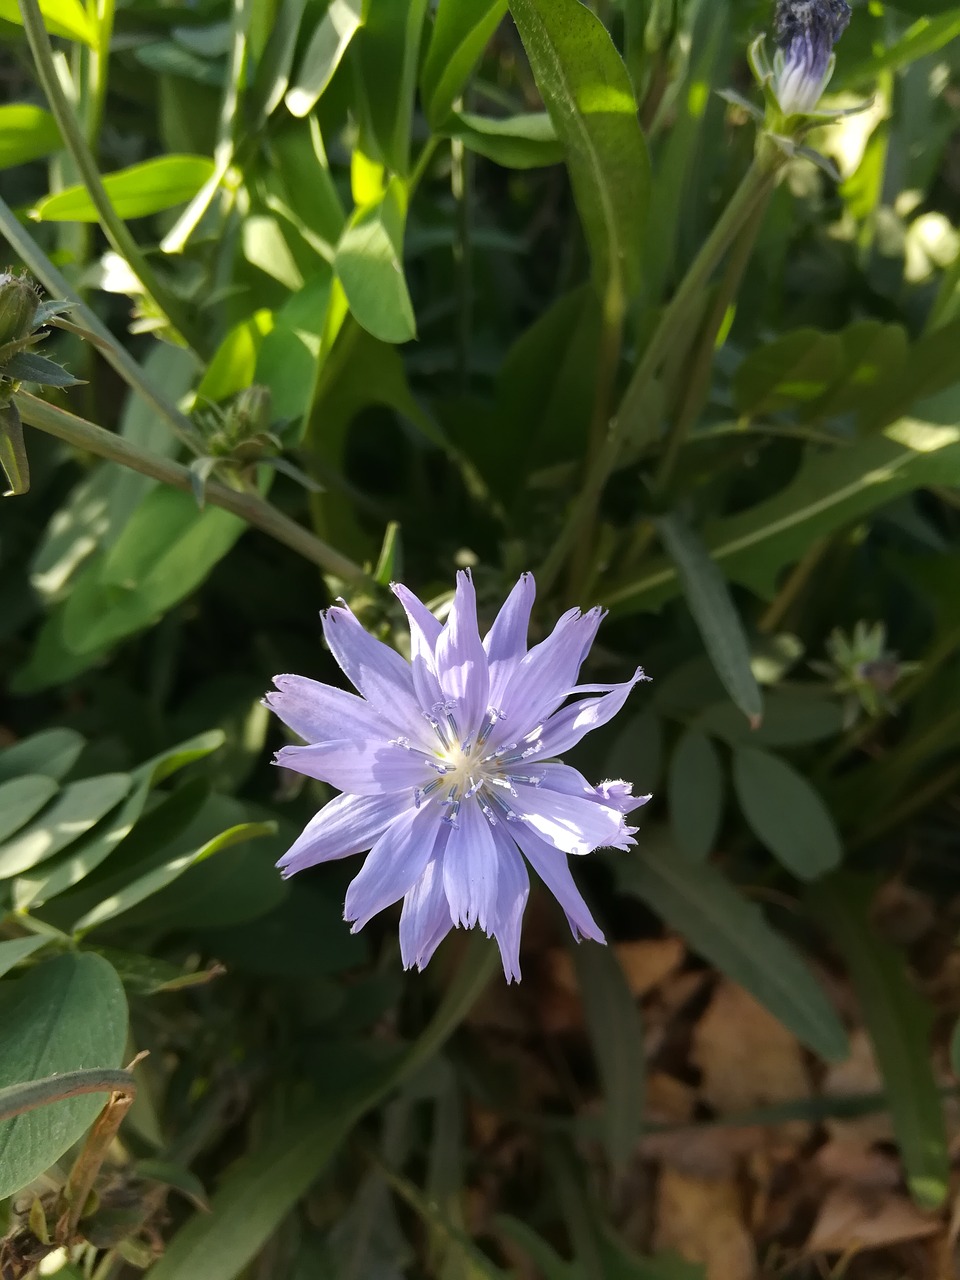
x=18, y=307
x=806, y=32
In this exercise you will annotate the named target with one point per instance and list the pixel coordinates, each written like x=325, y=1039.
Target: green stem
x=37, y=262
x=248, y=506
x=460, y=185
x=756, y=184
x=15, y=1099
x=113, y=227
x=97, y=58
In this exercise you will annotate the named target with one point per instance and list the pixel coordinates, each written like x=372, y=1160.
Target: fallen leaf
x=701, y=1219
x=647, y=962
x=851, y=1219
x=858, y=1074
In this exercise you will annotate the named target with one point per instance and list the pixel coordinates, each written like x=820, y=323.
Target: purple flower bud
x=806, y=32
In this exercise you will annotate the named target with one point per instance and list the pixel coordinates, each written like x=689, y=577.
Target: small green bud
x=18, y=307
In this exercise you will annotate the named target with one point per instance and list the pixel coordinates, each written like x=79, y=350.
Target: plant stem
x=19, y=1098
x=92, y=1155
x=460, y=186
x=113, y=227
x=756, y=184
x=915, y=802
x=248, y=506
x=40, y=265
x=795, y=583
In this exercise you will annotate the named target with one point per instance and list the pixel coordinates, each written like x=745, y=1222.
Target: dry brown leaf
x=901, y=913
x=700, y=1218
x=858, y=1074
x=852, y=1218
x=846, y=1159
x=647, y=962
x=748, y=1059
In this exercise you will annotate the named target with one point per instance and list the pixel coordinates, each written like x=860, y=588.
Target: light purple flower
x=806, y=31
x=448, y=772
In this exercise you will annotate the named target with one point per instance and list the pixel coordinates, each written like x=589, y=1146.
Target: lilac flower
x=447, y=771
x=806, y=32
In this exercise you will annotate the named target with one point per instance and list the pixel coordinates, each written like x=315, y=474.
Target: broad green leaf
x=259, y=1192
x=515, y=142
x=786, y=814
x=369, y=265
x=798, y=366
x=322, y=56
x=388, y=54
x=153, y=881
x=26, y=133
x=135, y=192
x=830, y=490
x=789, y=720
x=17, y=949
x=695, y=790
x=65, y=1014
x=607, y=1004
x=78, y=807
x=714, y=613
x=83, y=857
x=61, y=18
x=587, y=91
x=234, y=362
x=166, y=550
x=296, y=346
x=899, y=1020
x=461, y=31
x=273, y=68
x=874, y=359
x=52, y=752
x=21, y=799
x=722, y=926
x=266, y=246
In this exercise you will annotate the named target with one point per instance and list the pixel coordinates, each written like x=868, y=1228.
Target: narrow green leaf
x=323, y=54
x=608, y=1004
x=273, y=69
x=13, y=453
x=21, y=798
x=587, y=91
x=52, y=752
x=17, y=949
x=899, y=1020
x=732, y=933
x=77, y=808
x=27, y=366
x=461, y=31
x=786, y=814
x=369, y=265
x=66, y=1014
x=61, y=18
x=515, y=142
x=388, y=50
x=713, y=611
x=26, y=133
x=695, y=789
x=927, y=35
x=135, y=192
x=461, y=1255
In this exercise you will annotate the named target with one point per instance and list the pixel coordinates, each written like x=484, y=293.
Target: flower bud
x=18, y=307
x=806, y=32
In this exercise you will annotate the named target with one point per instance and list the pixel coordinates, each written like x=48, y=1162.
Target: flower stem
x=114, y=227
x=248, y=506
x=757, y=182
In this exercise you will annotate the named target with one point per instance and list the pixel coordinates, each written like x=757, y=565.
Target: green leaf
x=61, y=18
x=142, y=189
x=607, y=1003
x=927, y=35
x=786, y=814
x=695, y=789
x=732, y=933
x=66, y=1014
x=587, y=91
x=461, y=31
x=369, y=265
x=388, y=49
x=13, y=453
x=88, y=853
x=713, y=611
x=547, y=1262
x=234, y=362
x=323, y=54
x=21, y=798
x=798, y=366
x=77, y=808
x=27, y=366
x=899, y=1020
x=17, y=949
x=789, y=720
x=461, y=1256
x=26, y=133
x=259, y=1192
x=273, y=69
x=153, y=881
x=52, y=752
x=515, y=142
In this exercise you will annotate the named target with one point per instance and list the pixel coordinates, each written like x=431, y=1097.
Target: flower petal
x=566, y=727
x=619, y=795
x=573, y=821
x=319, y=712
x=394, y=864
x=425, y=630
x=470, y=868
x=553, y=869
x=461, y=661
x=378, y=671
x=506, y=641
x=425, y=919
x=362, y=768
x=348, y=824
x=614, y=793
x=545, y=676
x=513, y=889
